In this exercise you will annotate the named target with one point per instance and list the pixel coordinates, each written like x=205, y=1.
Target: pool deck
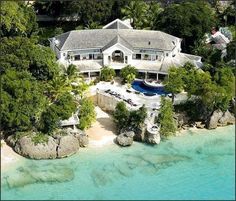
x=151, y=102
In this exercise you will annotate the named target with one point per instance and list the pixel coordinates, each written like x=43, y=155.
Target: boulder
x=226, y=119
x=25, y=147
x=214, y=119
x=83, y=140
x=153, y=139
x=199, y=124
x=182, y=119
x=218, y=118
x=129, y=134
x=11, y=140
x=140, y=134
x=153, y=136
x=68, y=145
x=124, y=140
x=81, y=136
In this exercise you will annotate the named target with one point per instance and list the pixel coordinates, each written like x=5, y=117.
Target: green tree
x=197, y=19
x=59, y=110
x=121, y=115
x=128, y=73
x=107, y=73
x=153, y=12
x=17, y=19
x=137, y=117
x=166, y=118
x=22, y=53
x=174, y=82
x=22, y=101
x=136, y=11
x=231, y=49
x=87, y=114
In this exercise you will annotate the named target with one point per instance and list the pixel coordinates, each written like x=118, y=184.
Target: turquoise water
x=197, y=165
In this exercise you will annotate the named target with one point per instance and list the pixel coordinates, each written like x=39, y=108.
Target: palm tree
x=136, y=12
x=154, y=10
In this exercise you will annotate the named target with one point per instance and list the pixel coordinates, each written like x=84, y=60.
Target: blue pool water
x=198, y=165
x=148, y=90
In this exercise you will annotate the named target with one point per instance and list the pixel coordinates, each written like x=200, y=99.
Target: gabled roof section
x=117, y=24
x=120, y=40
x=61, y=39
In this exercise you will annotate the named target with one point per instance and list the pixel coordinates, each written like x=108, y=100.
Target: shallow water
x=197, y=165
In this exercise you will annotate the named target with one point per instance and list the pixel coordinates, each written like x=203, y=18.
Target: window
x=90, y=56
x=167, y=54
x=126, y=59
x=156, y=57
x=138, y=56
x=109, y=58
x=77, y=57
x=97, y=56
x=64, y=54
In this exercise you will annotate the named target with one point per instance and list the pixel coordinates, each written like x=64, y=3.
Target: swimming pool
x=148, y=90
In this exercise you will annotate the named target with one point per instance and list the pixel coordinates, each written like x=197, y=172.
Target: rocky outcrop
x=153, y=135
x=125, y=139
x=63, y=143
x=140, y=134
x=68, y=145
x=226, y=119
x=26, y=147
x=218, y=118
x=182, y=119
x=199, y=124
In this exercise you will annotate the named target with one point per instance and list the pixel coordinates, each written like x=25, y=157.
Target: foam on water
x=198, y=165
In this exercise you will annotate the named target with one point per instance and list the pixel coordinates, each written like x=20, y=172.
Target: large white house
x=116, y=45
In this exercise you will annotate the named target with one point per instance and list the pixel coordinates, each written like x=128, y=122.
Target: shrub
x=166, y=118
x=39, y=138
x=107, y=73
x=121, y=115
x=87, y=113
x=126, y=119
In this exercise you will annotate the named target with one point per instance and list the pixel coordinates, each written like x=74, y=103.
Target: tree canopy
x=17, y=19
x=187, y=20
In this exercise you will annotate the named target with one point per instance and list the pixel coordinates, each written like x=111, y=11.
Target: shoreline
x=96, y=140
x=8, y=156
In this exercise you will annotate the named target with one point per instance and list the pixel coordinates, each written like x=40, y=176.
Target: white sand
x=8, y=156
x=102, y=132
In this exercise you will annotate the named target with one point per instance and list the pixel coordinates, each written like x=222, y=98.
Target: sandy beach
x=8, y=156
x=102, y=132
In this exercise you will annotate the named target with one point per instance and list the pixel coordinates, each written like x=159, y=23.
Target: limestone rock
x=125, y=139
x=83, y=140
x=218, y=118
x=68, y=145
x=226, y=119
x=214, y=119
x=153, y=136
x=11, y=140
x=25, y=147
x=182, y=119
x=140, y=134
x=199, y=124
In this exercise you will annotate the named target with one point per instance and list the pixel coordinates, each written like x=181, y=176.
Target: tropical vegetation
x=129, y=120
x=128, y=73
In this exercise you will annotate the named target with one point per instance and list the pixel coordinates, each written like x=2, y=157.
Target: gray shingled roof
x=99, y=38
x=115, y=40
x=117, y=25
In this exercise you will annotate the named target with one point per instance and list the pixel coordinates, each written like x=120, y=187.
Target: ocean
x=198, y=165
